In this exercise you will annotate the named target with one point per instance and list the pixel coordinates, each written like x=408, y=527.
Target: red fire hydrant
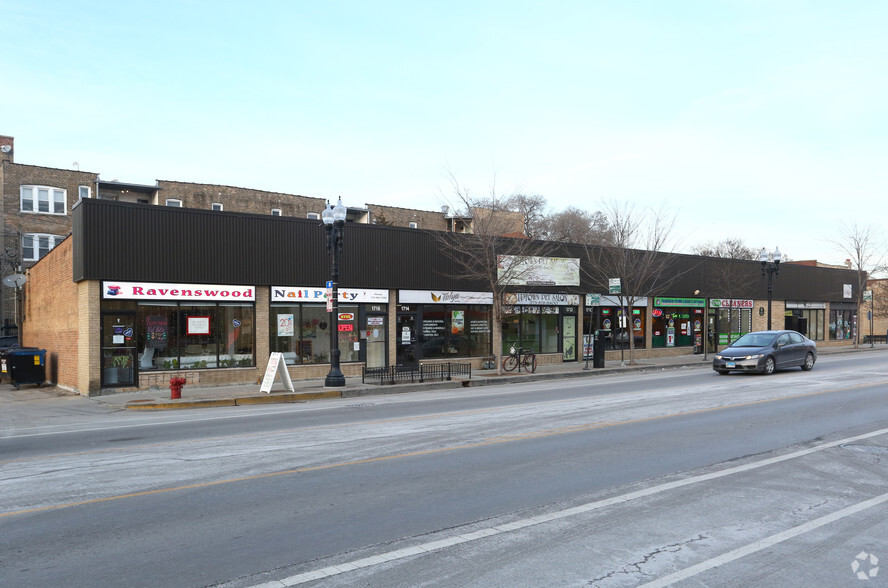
x=176, y=388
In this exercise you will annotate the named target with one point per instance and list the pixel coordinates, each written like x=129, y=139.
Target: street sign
x=613, y=285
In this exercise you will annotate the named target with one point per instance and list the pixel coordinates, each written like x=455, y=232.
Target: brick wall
x=14, y=223
x=238, y=199
x=52, y=312
x=402, y=217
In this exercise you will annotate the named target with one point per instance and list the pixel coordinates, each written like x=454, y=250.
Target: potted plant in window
x=110, y=371
x=124, y=372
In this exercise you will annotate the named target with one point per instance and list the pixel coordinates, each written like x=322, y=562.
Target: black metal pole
x=770, y=268
x=335, y=379
x=770, y=290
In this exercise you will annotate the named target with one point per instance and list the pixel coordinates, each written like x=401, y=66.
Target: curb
x=376, y=390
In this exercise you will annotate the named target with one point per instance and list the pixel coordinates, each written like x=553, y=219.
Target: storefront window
x=235, y=335
x=842, y=325
x=302, y=333
x=477, y=323
x=197, y=329
x=179, y=336
x=349, y=334
x=530, y=328
x=676, y=327
x=733, y=322
x=158, y=336
x=550, y=329
x=536, y=327
x=455, y=330
x=808, y=322
x=608, y=321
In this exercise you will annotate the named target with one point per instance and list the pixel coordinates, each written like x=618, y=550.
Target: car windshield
x=754, y=340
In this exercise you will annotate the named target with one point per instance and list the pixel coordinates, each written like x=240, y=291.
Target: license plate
x=730, y=364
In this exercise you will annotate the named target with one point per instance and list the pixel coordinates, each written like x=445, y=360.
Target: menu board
x=156, y=332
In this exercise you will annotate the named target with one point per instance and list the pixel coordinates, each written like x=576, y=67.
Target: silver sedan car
x=766, y=351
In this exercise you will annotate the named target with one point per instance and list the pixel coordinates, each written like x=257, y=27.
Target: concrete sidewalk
x=305, y=390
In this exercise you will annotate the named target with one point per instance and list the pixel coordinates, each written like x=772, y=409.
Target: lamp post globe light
x=770, y=266
x=334, y=221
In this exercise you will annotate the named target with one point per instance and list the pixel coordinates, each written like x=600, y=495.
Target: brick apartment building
x=36, y=204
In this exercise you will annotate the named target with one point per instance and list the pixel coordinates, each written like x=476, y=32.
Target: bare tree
x=573, y=225
x=534, y=209
x=487, y=254
x=865, y=248
x=730, y=248
x=637, y=257
x=723, y=277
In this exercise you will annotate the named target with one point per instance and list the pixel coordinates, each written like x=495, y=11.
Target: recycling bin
x=26, y=365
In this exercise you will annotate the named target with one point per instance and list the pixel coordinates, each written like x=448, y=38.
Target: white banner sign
x=318, y=294
x=443, y=297
x=157, y=291
x=541, y=299
x=730, y=303
x=517, y=270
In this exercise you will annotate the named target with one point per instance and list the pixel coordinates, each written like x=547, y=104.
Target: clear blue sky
x=764, y=120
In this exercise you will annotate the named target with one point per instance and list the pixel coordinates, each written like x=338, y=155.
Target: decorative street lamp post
x=770, y=266
x=334, y=221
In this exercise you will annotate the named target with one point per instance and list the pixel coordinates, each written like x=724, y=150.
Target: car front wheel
x=769, y=366
x=809, y=362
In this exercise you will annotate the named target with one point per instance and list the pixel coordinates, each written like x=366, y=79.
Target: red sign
x=346, y=327
x=657, y=312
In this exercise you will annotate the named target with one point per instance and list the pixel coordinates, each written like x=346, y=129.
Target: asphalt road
x=680, y=475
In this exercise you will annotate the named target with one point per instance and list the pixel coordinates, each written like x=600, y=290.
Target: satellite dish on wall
x=15, y=280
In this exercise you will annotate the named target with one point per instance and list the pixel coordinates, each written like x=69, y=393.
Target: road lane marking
x=431, y=546
x=761, y=544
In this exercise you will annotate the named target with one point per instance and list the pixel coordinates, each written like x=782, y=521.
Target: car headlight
x=759, y=356
x=718, y=357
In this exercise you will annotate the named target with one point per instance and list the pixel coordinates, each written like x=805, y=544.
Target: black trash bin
x=598, y=349
x=26, y=365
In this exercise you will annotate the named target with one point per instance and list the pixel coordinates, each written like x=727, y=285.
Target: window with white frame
x=313, y=216
x=174, y=202
x=217, y=206
x=37, y=245
x=83, y=192
x=412, y=225
x=44, y=199
x=275, y=212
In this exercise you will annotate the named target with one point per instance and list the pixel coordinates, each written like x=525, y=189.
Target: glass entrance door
x=376, y=341
x=118, y=350
x=405, y=331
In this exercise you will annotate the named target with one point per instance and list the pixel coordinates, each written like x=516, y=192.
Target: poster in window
x=156, y=332
x=198, y=325
x=458, y=322
x=285, y=325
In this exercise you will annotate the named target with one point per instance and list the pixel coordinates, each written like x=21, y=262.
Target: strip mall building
x=139, y=293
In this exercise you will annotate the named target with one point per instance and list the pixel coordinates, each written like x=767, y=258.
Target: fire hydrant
x=176, y=388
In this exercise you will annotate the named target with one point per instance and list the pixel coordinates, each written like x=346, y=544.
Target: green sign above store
x=684, y=302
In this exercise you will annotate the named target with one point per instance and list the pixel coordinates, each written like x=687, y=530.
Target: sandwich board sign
x=276, y=364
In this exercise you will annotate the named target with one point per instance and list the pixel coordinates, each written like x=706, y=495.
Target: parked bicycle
x=519, y=356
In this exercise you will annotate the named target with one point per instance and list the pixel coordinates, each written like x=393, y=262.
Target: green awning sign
x=683, y=302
